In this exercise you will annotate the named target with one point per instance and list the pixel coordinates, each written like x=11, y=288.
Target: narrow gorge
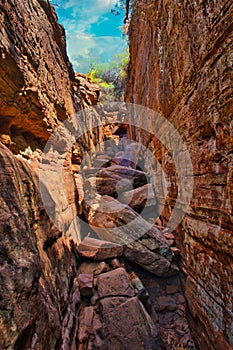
x=116, y=219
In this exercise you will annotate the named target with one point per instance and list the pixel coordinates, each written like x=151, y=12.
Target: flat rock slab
x=98, y=249
x=108, y=186
x=151, y=261
x=117, y=172
x=114, y=283
x=139, y=197
x=93, y=267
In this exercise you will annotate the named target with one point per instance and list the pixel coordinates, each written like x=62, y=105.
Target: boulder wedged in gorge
x=181, y=67
x=115, y=179
x=136, y=177
x=118, y=223
x=98, y=249
x=139, y=197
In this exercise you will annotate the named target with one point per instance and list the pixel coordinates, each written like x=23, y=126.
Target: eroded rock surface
x=37, y=262
x=181, y=67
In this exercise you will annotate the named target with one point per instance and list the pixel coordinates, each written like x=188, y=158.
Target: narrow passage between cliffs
x=118, y=205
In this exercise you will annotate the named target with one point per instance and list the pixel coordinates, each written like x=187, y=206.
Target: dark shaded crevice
x=51, y=241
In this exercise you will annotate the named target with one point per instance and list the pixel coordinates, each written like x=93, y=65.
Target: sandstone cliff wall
x=35, y=84
x=181, y=67
x=37, y=262
x=38, y=91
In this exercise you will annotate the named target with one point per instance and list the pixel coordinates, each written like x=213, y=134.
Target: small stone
x=171, y=242
x=172, y=289
x=175, y=251
x=180, y=299
x=86, y=284
x=75, y=168
x=166, y=304
x=169, y=236
x=95, y=268
x=115, y=263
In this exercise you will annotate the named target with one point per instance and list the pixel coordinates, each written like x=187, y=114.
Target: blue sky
x=93, y=32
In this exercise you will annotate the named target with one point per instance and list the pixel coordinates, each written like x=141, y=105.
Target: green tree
x=111, y=75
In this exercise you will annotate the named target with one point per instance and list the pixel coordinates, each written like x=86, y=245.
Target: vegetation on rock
x=111, y=76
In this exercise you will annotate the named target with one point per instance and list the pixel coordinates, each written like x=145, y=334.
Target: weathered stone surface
x=34, y=96
x=139, y=197
x=108, y=186
x=118, y=173
x=89, y=91
x=38, y=266
x=98, y=249
x=85, y=281
x=41, y=306
x=86, y=324
x=141, y=255
x=37, y=262
x=92, y=267
x=113, y=180
x=166, y=303
x=118, y=223
x=181, y=67
x=114, y=283
x=127, y=326
x=170, y=310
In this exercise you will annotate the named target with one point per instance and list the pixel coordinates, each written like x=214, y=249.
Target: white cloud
x=84, y=49
x=94, y=8
x=83, y=46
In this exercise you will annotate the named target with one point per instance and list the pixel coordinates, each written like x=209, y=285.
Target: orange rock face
x=181, y=67
x=34, y=72
x=37, y=262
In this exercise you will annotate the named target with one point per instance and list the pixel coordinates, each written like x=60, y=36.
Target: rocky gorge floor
x=134, y=275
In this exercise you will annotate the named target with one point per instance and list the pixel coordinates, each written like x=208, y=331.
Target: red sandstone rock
x=166, y=303
x=116, y=172
x=139, y=197
x=172, y=289
x=38, y=262
x=98, y=250
x=86, y=324
x=34, y=95
x=85, y=281
x=114, y=283
x=94, y=268
x=181, y=68
x=108, y=186
x=124, y=226
x=127, y=326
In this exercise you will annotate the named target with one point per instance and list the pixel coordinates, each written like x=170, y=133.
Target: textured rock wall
x=39, y=90
x=35, y=72
x=181, y=67
x=37, y=262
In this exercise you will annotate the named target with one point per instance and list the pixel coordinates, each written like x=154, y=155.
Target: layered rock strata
x=181, y=67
